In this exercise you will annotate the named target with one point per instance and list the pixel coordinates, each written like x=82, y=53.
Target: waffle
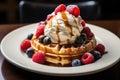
x=62, y=55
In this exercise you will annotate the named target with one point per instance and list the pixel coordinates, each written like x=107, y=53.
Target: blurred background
x=9, y=9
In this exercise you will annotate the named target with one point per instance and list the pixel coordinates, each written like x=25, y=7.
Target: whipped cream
x=63, y=28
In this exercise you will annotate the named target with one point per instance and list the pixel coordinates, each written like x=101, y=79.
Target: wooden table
x=10, y=72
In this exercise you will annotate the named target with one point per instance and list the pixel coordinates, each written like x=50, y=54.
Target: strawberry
x=25, y=45
x=87, y=58
x=74, y=10
x=60, y=8
x=38, y=57
x=83, y=23
x=100, y=48
x=40, y=30
x=49, y=17
x=87, y=31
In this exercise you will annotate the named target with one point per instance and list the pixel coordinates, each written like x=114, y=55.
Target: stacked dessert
x=63, y=39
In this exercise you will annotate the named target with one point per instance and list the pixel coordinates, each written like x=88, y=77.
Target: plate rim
x=51, y=73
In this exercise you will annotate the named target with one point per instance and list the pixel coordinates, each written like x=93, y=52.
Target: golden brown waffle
x=63, y=55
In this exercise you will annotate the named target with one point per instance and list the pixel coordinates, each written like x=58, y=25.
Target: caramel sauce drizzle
x=57, y=32
x=50, y=23
x=75, y=22
x=64, y=16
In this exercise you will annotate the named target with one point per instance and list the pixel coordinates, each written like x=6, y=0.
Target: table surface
x=10, y=72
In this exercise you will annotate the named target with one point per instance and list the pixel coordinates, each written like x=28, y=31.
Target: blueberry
x=30, y=36
x=79, y=40
x=97, y=55
x=76, y=62
x=30, y=52
x=47, y=40
x=41, y=38
x=84, y=36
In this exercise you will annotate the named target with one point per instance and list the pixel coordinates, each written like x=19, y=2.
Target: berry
x=60, y=8
x=25, y=45
x=49, y=17
x=40, y=30
x=84, y=36
x=76, y=62
x=41, y=38
x=83, y=23
x=87, y=58
x=100, y=48
x=38, y=57
x=30, y=52
x=87, y=31
x=47, y=40
x=97, y=55
x=73, y=9
x=79, y=40
x=30, y=36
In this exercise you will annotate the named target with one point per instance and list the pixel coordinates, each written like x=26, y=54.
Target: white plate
x=11, y=51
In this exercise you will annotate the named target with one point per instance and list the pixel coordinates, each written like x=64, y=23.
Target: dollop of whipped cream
x=63, y=28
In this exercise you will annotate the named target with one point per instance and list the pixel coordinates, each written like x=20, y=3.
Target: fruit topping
x=97, y=55
x=100, y=48
x=30, y=52
x=49, y=17
x=87, y=31
x=47, y=40
x=60, y=8
x=30, y=36
x=79, y=40
x=83, y=23
x=84, y=36
x=40, y=30
x=76, y=62
x=38, y=57
x=73, y=9
x=25, y=45
x=41, y=38
x=87, y=58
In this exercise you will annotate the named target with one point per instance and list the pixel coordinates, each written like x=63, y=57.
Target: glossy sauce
x=57, y=32
x=64, y=16
x=50, y=23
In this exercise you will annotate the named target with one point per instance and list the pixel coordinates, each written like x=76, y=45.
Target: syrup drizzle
x=64, y=16
x=57, y=32
x=50, y=23
x=75, y=22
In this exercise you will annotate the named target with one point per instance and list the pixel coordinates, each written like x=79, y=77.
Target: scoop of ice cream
x=63, y=28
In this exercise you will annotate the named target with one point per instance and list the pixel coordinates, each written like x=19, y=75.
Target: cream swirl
x=63, y=28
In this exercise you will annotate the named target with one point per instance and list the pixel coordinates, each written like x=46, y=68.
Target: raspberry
x=87, y=58
x=49, y=17
x=87, y=31
x=40, y=30
x=25, y=45
x=38, y=57
x=83, y=23
x=100, y=48
x=60, y=8
x=73, y=9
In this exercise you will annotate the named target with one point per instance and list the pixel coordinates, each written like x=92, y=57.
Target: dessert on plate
x=63, y=39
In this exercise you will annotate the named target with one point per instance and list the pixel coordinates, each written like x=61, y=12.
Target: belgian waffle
x=63, y=55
